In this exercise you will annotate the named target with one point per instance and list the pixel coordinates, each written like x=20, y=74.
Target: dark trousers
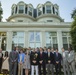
x=12, y=68
x=43, y=68
x=0, y=66
x=17, y=69
x=58, y=69
x=23, y=71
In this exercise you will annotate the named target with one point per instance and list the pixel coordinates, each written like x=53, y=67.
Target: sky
x=65, y=7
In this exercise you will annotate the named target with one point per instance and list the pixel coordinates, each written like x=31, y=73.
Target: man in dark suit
x=49, y=62
x=42, y=62
x=58, y=58
x=1, y=59
x=13, y=60
x=34, y=62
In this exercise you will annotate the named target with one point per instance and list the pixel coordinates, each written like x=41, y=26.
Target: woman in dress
x=27, y=63
x=5, y=65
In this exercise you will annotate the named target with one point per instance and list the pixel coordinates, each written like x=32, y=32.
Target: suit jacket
x=71, y=56
x=13, y=57
x=34, y=57
x=64, y=57
x=57, y=58
x=42, y=57
x=51, y=58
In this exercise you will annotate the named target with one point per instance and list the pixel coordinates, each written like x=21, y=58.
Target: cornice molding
x=34, y=24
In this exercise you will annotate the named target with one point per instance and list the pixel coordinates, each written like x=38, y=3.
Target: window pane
x=21, y=40
x=65, y=34
x=31, y=36
x=65, y=46
x=21, y=45
x=51, y=39
x=69, y=40
x=21, y=8
x=56, y=10
x=48, y=46
x=48, y=9
x=18, y=39
x=55, y=46
x=30, y=11
x=37, y=36
x=18, y=34
x=48, y=40
x=48, y=34
x=38, y=44
x=54, y=40
x=64, y=40
x=32, y=45
x=14, y=45
x=15, y=40
x=39, y=11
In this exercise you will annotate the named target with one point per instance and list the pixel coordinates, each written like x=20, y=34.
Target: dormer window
x=12, y=11
x=48, y=9
x=56, y=11
x=21, y=9
x=39, y=11
x=30, y=11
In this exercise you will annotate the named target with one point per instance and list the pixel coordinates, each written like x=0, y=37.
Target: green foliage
x=73, y=33
x=73, y=13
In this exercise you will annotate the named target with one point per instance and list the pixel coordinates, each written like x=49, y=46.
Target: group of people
x=38, y=61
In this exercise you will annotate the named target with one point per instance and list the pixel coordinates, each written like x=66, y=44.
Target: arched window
x=30, y=11
x=12, y=11
x=21, y=8
x=39, y=11
x=48, y=8
x=56, y=11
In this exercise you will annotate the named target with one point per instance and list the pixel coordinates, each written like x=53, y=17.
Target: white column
x=45, y=10
x=43, y=39
x=42, y=10
x=14, y=10
x=37, y=12
x=27, y=10
x=24, y=9
x=32, y=12
x=59, y=39
x=9, y=41
x=58, y=12
x=17, y=9
x=0, y=41
x=26, y=37
x=51, y=9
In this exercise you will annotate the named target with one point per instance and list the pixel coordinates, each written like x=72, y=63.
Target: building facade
x=35, y=27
